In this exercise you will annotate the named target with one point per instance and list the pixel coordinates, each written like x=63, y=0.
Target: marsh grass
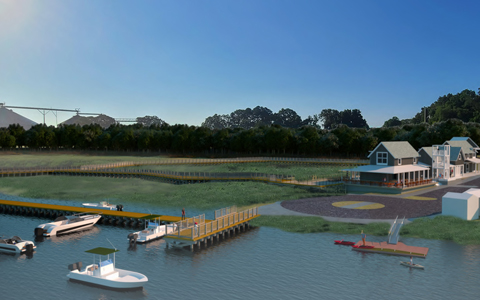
x=205, y=196
x=444, y=228
x=300, y=171
x=316, y=224
x=55, y=159
x=438, y=228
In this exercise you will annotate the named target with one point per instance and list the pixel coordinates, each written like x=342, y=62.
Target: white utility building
x=463, y=205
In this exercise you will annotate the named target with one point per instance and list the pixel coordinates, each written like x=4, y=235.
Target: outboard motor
x=39, y=231
x=29, y=248
x=72, y=267
x=75, y=266
x=132, y=237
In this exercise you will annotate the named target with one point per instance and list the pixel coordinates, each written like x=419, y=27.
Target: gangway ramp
x=394, y=233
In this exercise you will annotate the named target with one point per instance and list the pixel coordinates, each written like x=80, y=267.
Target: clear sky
x=186, y=60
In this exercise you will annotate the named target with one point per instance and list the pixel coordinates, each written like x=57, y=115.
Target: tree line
x=261, y=116
x=464, y=106
x=342, y=141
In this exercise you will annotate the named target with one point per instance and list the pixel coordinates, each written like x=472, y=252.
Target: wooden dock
x=399, y=249
x=188, y=233
x=51, y=210
x=195, y=231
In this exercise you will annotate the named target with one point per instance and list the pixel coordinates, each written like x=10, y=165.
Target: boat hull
x=125, y=280
x=13, y=249
x=57, y=228
x=95, y=206
x=407, y=264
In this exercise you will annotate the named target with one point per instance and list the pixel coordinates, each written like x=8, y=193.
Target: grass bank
x=438, y=228
x=205, y=196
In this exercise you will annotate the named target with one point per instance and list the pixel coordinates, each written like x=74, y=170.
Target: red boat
x=342, y=242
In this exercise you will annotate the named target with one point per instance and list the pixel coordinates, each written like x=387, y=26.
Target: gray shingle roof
x=428, y=150
x=466, y=147
x=400, y=149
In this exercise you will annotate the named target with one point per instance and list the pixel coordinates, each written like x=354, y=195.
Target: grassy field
x=205, y=196
x=55, y=159
x=301, y=172
x=438, y=228
x=208, y=196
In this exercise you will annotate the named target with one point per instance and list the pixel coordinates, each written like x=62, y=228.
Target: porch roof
x=389, y=169
x=474, y=160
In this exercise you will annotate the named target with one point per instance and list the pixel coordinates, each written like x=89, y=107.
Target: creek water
x=261, y=263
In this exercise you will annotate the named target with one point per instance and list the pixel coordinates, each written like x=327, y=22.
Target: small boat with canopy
x=104, y=273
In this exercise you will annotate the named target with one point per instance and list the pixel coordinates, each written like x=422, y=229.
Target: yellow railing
x=187, y=229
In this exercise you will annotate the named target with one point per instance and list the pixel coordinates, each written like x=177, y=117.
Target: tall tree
x=330, y=118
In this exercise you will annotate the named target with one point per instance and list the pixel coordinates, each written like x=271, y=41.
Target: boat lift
x=394, y=233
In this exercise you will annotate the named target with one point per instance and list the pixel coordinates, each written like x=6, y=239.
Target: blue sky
x=186, y=60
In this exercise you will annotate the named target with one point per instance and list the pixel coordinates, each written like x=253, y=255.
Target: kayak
x=342, y=242
x=407, y=264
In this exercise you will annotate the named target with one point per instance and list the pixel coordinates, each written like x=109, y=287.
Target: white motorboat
x=153, y=230
x=104, y=273
x=68, y=224
x=103, y=205
x=16, y=245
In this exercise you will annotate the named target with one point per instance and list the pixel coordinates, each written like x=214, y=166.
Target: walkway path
x=419, y=203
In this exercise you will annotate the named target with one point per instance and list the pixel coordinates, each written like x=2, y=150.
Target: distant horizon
x=184, y=61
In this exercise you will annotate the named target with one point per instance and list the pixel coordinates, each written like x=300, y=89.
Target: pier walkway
x=194, y=231
x=170, y=176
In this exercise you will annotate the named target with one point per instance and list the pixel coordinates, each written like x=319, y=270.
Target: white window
x=399, y=161
x=382, y=158
x=414, y=160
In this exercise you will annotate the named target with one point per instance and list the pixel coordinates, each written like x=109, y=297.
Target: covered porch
x=389, y=176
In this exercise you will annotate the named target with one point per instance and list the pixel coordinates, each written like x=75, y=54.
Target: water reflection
x=261, y=263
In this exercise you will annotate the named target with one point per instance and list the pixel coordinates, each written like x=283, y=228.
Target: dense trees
x=342, y=141
x=332, y=118
x=260, y=131
x=464, y=106
x=286, y=117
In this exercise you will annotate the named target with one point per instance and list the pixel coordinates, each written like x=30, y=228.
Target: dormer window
x=382, y=158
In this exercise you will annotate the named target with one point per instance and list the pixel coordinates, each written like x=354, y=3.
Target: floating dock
x=112, y=217
x=398, y=249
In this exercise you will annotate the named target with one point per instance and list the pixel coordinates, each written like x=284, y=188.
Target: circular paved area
x=394, y=206
x=358, y=205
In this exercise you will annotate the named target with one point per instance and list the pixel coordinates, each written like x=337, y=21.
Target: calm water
x=262, y=263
